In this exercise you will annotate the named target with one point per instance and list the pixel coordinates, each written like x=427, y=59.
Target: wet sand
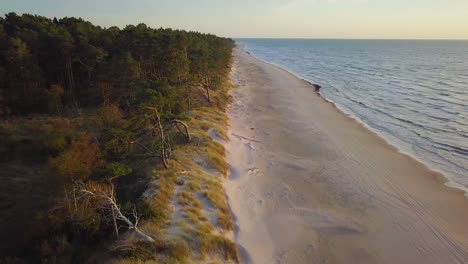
x=309, y=184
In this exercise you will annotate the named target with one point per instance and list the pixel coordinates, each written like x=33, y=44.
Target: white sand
x=310, y=185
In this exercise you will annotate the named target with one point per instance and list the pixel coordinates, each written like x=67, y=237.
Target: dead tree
x=165, y=147
x=189, y=97
x=102, y=199
x=206, y=85
x=153, y=139
x=208, y=94
x=186, y=131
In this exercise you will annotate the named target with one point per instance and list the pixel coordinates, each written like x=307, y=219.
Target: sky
x=368, y=19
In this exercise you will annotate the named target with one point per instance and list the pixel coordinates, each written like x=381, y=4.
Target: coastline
x=338, y=204
x=448, y=180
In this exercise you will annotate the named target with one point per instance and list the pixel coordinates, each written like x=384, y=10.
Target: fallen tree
x=186, y=131
x=100, y=198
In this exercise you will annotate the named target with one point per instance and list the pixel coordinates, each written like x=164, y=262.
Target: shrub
x=118, y=169
x=110, y=115
x=79, y=160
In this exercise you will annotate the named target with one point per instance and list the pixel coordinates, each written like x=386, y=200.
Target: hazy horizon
x=409, y=39
x=298, y=19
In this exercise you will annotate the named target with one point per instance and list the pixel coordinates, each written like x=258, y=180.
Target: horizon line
x=311, y=38
x=217, y=34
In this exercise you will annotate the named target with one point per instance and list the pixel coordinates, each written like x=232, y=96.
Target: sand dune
x=311, y=185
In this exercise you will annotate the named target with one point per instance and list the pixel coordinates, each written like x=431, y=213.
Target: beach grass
x=188, y=210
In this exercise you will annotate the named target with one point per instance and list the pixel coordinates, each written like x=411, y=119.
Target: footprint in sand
x=285, y=192
x=253, y=171
x=327, y=221
x=250, y=146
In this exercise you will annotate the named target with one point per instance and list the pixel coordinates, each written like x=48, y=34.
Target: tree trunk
x=164, y=157
x=74, y=201
x=109, y=200
x=157, y=119
x=25, y=91
x=208, y=94
x=88, y=87
x=68, y=66
x=186, y=128
x=88, y=72
x=189, y=98
x=114, y=220
x=67, y=199
x=206, y=84
x=144, y=237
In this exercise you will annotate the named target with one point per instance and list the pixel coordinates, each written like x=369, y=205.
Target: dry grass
x=224, y=219
x=178, y=188
x=216, y=244
x=166, y=251
x=133, y=261
x=193, y=186
x=216, y=199
x=159, y=204
x=223, y=214
x=199, y=221
x=185, y=198
x=216, y=157
x=182, y=183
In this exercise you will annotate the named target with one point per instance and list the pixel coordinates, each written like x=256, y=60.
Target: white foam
x=451, y=179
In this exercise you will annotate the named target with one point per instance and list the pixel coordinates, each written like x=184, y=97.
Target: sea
x=413, y=93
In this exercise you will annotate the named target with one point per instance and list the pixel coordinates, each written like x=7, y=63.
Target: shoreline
x=448, y=180
x=343, y=196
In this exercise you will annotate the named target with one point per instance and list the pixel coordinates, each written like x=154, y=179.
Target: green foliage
x=95, y=65
x=118, y=169
x=90, y=87
x=17, y=52
x=159, y=94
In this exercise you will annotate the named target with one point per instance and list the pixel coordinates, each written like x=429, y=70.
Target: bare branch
x=106, y=200
x=177, y=122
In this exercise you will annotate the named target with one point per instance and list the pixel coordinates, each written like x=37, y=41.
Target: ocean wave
x=414, y=100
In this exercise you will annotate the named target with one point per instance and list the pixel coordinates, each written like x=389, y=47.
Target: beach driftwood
x=246, y=138
x=317, y=87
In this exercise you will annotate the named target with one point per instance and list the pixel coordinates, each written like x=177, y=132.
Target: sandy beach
x=309, y=184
